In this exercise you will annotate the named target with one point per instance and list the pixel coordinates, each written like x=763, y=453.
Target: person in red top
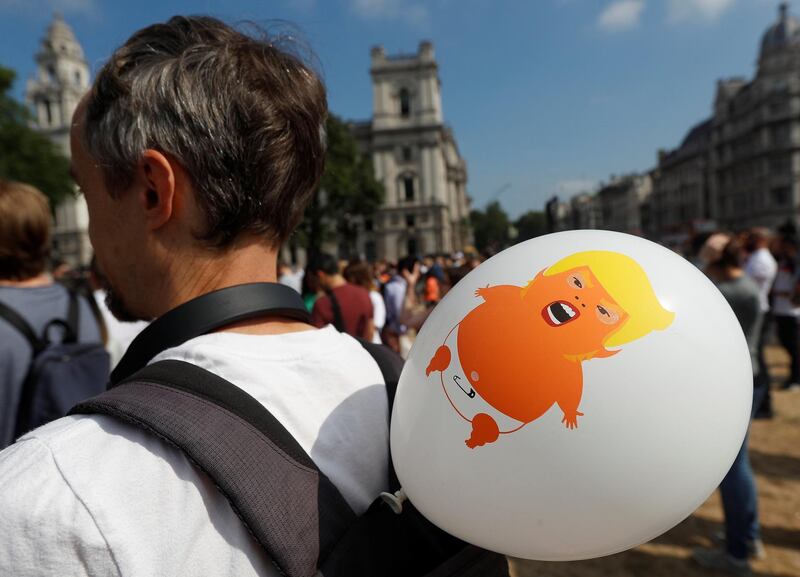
x=345, y=306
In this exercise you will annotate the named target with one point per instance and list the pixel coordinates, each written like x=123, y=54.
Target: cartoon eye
x=606, y=315
x=575, y=281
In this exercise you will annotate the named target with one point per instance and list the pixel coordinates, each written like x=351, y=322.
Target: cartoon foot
x=571, y=419
x=440, y=360
x=484, y=430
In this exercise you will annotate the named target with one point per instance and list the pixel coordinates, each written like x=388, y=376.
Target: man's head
x=196, y=140
x=326, y=268
x=757, y=237
x=25, y=231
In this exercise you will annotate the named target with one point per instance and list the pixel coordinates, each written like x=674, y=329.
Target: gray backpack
x=289, y=506
x=62, y=372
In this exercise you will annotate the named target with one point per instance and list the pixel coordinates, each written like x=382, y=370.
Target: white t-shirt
x=378, y=315
x=91, y=495
x=762, y=268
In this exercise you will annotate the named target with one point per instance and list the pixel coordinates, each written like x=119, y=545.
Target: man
x=28, y=289
x=394, y=293
x=344, y=305
x=762, y=268
x=197, y=149
x=722, y=257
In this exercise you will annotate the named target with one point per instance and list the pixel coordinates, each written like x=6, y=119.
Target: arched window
x=48, y=112
x=407, y=184
x=405, y=103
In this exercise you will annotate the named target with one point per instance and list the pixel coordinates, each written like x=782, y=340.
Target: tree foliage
x=530, y=225
x=491, y=228
x=26, y=155
x=347, y=193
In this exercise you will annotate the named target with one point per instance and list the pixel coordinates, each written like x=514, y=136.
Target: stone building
x=62, y=78
x=584, y=212
x=620, y=202
x=681, y=203
x=755, y=139
x=580, y=212
x=416, y=157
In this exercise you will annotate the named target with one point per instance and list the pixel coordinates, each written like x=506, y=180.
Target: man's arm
x=369, y=332
x=45, y=529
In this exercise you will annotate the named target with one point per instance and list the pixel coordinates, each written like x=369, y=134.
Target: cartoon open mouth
x=559, y=313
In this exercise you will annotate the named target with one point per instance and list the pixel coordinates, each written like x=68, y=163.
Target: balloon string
x=513, y=430
x=452, y=404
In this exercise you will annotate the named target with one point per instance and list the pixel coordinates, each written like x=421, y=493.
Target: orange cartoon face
x=577, y=311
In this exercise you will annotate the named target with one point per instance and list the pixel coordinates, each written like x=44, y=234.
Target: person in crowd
x=761, y=266
x=28, y=289
x=434, y=279
x=723, y=255
x=197, y=149
x=382, y=272
x=394, y=295
x=289, y=277
x=360, y=273
x=785, y=309
x=346, y=306
x=311, y=288
x=119, y=335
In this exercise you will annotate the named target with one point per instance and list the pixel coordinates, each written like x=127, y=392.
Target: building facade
x=415, y=156
x=61, y=80
x=620, y=202
x=738, y=169
x=755, y=141
x=681, y=202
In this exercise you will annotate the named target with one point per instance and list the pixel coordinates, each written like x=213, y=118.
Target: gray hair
x=243, y=117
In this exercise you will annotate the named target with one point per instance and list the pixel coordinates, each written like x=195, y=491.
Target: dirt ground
x=775, y=455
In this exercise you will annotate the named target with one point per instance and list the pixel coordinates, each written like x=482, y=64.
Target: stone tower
x=62, y=78
x=416, y=158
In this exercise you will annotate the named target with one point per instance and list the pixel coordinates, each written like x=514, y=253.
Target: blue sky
x=549, y=96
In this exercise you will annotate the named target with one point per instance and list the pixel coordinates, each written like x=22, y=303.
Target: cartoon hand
x=571, y=419
x=481, y=291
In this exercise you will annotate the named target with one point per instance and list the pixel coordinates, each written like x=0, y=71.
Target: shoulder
x=97, y=483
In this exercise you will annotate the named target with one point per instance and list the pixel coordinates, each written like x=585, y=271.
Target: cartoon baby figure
x=520, y=351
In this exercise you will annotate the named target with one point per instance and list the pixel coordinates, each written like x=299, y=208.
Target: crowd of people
x=380, y=302
x=757, y=273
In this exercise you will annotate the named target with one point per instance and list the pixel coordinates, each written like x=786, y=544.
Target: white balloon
x=593, y=456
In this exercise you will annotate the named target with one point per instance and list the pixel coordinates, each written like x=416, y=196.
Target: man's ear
x=160, y=194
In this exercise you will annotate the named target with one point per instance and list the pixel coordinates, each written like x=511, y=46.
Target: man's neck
x=336, y=281
x=246, y=263
x=41, y=280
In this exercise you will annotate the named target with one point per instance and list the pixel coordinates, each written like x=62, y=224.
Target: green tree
x=530, y=225
x=348, y=192
x=26, y=155
x=491, y=228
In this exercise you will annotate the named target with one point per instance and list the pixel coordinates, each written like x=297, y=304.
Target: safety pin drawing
x=470, y=393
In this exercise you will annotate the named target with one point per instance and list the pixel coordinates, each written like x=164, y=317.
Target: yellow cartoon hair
x=628, y=285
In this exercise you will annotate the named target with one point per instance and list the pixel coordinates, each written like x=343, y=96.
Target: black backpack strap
x=21, y=325
x=289, y=506
x=207, y=313
x=338, y=320
x=73, y=317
